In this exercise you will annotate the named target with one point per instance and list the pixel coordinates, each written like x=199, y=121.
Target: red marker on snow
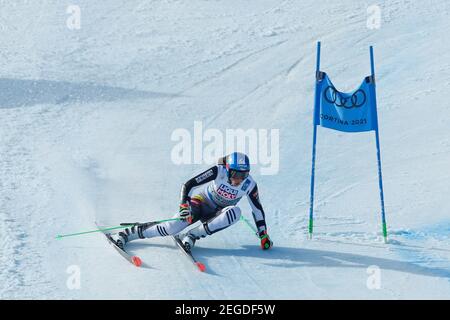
x=136, y=261
x=201, y=266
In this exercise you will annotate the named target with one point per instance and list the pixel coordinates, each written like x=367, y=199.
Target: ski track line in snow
x=230, y=66
x=236, y=103
x=248, y=274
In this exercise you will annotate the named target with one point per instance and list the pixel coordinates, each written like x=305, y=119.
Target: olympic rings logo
x=357, y=99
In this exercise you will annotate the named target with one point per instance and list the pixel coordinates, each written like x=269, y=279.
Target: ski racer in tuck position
x=215, y=206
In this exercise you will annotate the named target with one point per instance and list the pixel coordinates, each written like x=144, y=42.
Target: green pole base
x=310, y=228
x=385, y=232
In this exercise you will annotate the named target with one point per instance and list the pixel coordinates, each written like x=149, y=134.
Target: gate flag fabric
x=348, y=112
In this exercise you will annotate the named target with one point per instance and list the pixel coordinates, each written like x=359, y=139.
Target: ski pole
x=111, y=228
x=255, y=232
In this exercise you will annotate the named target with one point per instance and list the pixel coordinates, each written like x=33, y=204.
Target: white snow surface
x=86, y=122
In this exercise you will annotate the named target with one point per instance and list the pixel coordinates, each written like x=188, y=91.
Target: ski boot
x=193, y=235
x=128, y=234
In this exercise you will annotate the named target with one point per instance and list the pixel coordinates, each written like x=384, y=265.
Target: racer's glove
x=185, y=212
x=266, y=243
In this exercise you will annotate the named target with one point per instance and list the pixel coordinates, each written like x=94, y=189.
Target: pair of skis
x=135, y=260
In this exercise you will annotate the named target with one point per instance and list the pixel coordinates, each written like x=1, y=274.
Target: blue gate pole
x=380, y=179
x=311, y=199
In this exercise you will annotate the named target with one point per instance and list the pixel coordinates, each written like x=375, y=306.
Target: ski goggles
x=239, y=174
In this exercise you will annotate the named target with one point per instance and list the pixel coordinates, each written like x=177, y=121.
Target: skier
x=215, y=206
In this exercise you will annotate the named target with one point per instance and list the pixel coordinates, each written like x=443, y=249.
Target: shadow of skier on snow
x=287, y=257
